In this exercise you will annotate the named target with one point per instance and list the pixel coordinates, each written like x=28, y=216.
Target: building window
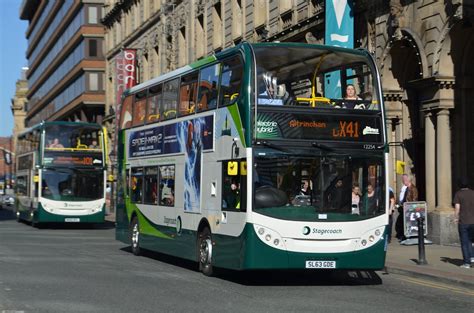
x=94, y=82
x=92, y=48
x=217, y=40
x=167, y=185
x=92, y=15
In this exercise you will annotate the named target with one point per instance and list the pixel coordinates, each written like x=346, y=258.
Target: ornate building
x=422, y=49
x=18, y=106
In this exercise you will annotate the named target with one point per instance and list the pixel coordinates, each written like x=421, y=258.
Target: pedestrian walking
x=464, y=217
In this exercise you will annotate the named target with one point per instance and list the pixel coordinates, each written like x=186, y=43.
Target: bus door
x=234, y=188
x=34, y=193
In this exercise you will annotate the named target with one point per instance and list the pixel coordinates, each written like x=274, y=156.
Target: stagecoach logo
x=72, y=205
x=316, y=231
x=370, y=131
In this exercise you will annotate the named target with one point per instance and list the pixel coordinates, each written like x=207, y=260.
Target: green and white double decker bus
x=255, y=158
x=61, y=173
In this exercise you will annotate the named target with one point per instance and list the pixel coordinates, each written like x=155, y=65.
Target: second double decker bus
x=61, y=173
x=264, y=156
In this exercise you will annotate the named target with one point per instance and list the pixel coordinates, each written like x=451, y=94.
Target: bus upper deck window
x=208, y=87
x=188, y=94
x=126, y=113
x=154, y=104
x=139, y=110
x=170, y=99
x=230, y=80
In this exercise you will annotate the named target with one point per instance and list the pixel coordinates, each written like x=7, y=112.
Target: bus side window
x=230, y=81
x=139, y=110
x=234, y=185
x=170, y=99
x=166, y=185
x=151, y=185
x=208, y=87
x=136, y=185
x=22, y=185
x=187, y=94
x=154, y=104
x=126, y=114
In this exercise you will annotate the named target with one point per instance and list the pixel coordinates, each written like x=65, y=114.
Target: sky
x=12, y=59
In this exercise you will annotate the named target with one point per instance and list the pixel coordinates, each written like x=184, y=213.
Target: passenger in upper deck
x=351, y=95
x=56, y=144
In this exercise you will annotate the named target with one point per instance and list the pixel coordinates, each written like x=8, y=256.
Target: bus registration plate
x=72, y=219
x=320, y=264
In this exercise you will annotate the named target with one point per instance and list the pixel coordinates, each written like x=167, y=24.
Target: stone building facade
x=422, y=49
x=6, y=170
x=18, y=106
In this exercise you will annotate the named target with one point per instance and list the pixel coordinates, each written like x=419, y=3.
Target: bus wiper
x=272, y=146
x=321, y=146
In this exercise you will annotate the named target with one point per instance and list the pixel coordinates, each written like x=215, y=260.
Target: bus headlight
x=269, y=237
x=371, y=237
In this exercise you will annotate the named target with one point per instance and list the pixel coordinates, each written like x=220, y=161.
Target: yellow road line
x=437, y=286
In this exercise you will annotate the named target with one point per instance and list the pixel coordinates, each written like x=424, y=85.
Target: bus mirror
x=243, y=168
x=36, y=179
x=232, y=168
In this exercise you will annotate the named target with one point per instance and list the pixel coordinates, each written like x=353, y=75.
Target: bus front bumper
x=42, y=216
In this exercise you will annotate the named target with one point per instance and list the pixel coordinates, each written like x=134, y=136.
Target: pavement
x=443, y=262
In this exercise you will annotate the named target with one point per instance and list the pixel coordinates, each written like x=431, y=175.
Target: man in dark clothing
x=464, y=217
x=336, y=195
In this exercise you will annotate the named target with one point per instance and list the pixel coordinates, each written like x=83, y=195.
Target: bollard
x=421, y=241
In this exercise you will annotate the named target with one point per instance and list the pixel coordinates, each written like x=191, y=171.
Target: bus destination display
x=276, y=125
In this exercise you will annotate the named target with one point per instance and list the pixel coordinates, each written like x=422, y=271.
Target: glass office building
x=65, y=59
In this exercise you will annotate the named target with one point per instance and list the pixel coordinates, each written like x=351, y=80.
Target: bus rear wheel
x=135, y=236
x=205, y=252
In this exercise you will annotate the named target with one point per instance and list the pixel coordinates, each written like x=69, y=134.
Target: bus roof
x=64, y=123
x=229, y=51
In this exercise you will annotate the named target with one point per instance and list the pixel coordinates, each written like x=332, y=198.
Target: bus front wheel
x=205, y=252
x=135, y=236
